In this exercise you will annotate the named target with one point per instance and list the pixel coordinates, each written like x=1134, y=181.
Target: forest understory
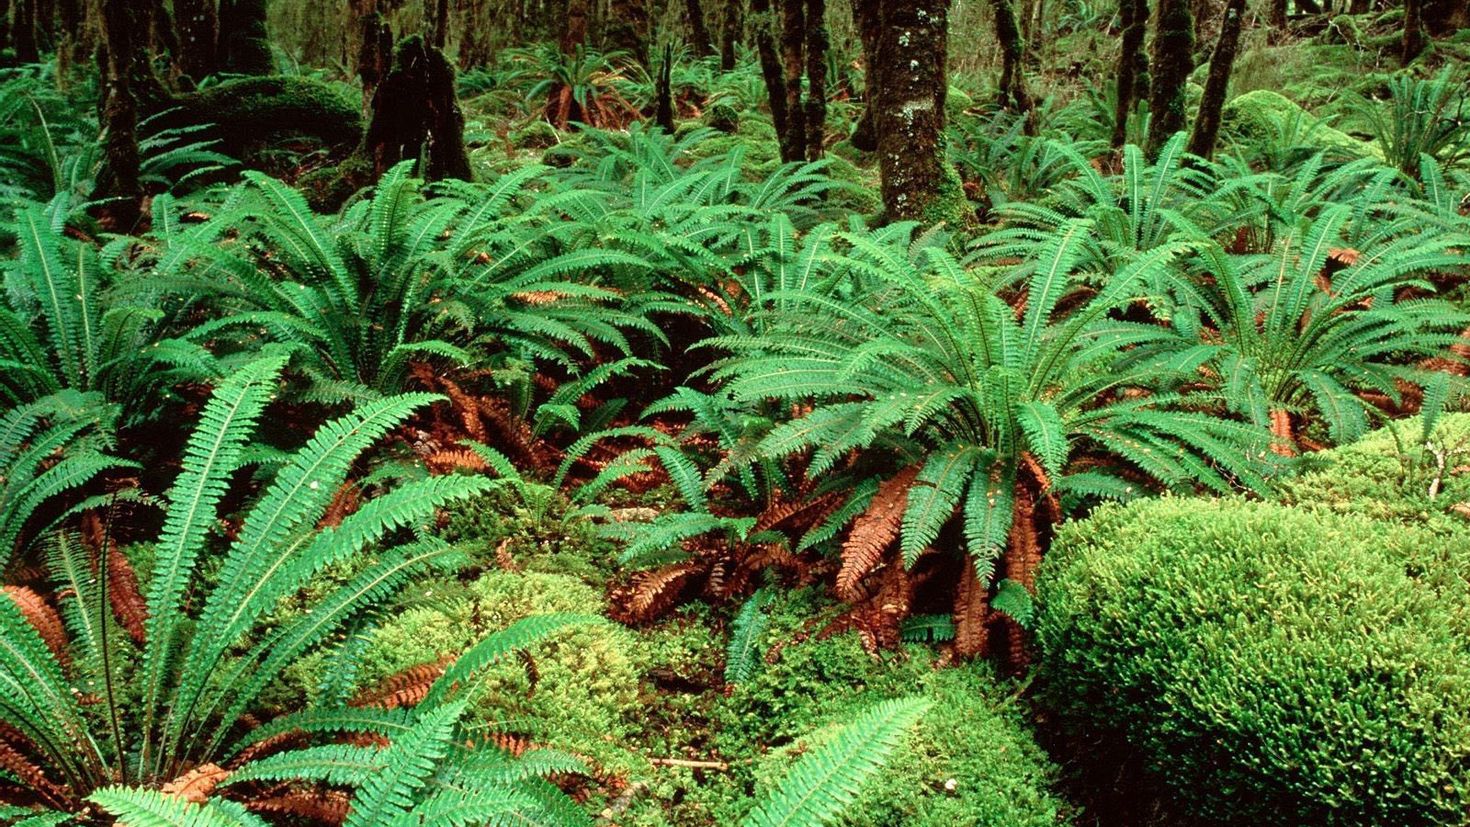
x=903, y=413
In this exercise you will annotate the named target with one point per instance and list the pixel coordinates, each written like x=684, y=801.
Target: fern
x=741, y=654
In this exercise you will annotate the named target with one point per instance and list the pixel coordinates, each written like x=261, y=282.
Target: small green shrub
x=1273, y=666
x=1264, y=116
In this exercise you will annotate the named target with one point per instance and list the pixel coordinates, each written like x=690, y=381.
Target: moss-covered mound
x=254, y=112
x=1273, y=665
x=1264, y=117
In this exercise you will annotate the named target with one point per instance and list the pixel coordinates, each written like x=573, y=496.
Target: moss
x=1273, y=666
x=722, y=117
x=1263, y=115
x=251, y=113
x=584, y=698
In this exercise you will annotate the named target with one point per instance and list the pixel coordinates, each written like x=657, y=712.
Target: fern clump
x=1272, y=666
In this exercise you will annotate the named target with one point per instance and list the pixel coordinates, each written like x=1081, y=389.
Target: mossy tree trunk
x=1414, y=40
x=374, y=58
x=664, y=111
x=1132, y=66
x=124, y=27
x=198, y=23
x=1207, y=123
x=1013, y=94
x=817, y=43
x=244, y=45
x=867, y=16
x=699, y=37
x=416, y=114
x=1173, y=60
x=627, y=28
x=911, y=88
x=733, y=23
x=763, y=23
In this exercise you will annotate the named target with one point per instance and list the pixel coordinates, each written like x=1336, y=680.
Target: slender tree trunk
x=374, y=58
x=69, y=47
x=124, y=27
x=5, y=9
x=198, y=24
x=1207, y=124
x=911, y=87
x=698, y=29
x=1276, y=19
x=23, y=32
x=664, y=115
x=816, y=78
x=1173, y=60
x=793, y=44
x=1013, y=94
x=733, y=13
x=867, y=15
x=1414, y=40
x=441, y=25
x=764, y=23
x=1132, y=66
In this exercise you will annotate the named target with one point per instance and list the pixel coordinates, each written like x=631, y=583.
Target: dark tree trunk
x=441, y=25
x=867, y=16
x=793, y=45
x=911, y=87
x=764, y=24
x=124, y=27
x=817, y=43
x=244, y=45
x=1013, y=94
x=375, y=57
x=69, y=46
x=1132, y=66
x=45, y=23
x=1414, y=40
x=1173, y=60
x=627, y=28
x=198, y=24
x=416, y=114
x=1207, y=124
x=1276, y=19
x=664, y=114
x=1360, y=6
x=734, y=10
x=23, y=32
x=1443, y=17
x=698, y=30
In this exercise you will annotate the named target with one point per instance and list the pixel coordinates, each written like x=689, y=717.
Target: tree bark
x=627, y=28
x=1013, y=94
x=867, y=16
x=23, y=33
x=664, y=114
x=1207, y=124
x=244, y=45
x=1414, y=40
x=1276, y=18
x=817, y=43
x=1173, y=60
x=441, y=25
x=793, y=44
x=734, y=10
x=698, y=29
x=198, y=24
x=911, y=88
x=1132, y=66
x=374, y=58
x=416, y=114
x=763, y=24
x=124, y=26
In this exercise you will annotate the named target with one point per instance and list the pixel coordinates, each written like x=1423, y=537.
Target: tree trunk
x=23, y=32
x=1013, y=94
x=733, y=24
x=1132, y=66
x=374, y=58
x=793, y=44
x=1276, y=19
x=1443, y=17
x=1173, y=60
x=763, y=24
x=1414, y=40
x=867, y=16
x=627, y=28
x=5, y=29
x=441, y=25
x=698, y=29
x=664, y=114
x=69, y=46
x=817, y=43
x=244, y=46
x=124, y=26
x=1207, y=124
x=198, y=25
x=1360, y=6
x=911, y=87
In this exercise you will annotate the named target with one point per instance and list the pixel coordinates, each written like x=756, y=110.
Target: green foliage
x=249, y=113
x=1421, y=117
x=1278, y=128
x=1271, y=665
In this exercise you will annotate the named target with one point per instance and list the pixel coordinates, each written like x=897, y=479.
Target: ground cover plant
x=759, y=412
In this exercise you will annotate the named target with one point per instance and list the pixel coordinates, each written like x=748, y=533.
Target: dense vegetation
x=920, y=412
